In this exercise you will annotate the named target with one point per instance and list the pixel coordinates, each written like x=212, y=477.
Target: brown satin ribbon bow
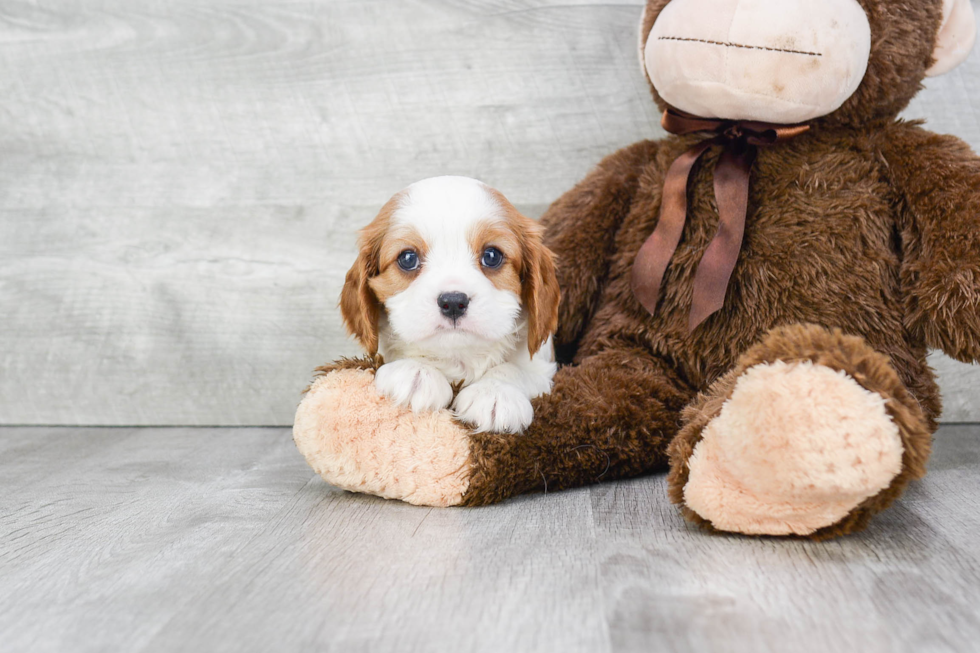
x=741, y=140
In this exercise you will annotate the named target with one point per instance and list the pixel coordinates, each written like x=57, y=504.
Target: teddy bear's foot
x=791, y=443
x=795, y=448
x=360, y=441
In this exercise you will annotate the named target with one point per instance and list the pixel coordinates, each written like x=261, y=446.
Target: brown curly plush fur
x=628, y=405
x=861, y=250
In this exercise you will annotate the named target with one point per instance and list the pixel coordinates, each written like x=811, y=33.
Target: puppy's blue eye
x=408, y=260
x=492, y=258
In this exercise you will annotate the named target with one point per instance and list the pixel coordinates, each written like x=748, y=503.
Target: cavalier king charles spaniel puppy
x=455, y=290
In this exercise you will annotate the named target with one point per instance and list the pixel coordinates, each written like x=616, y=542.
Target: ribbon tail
x=650, y=265
x=718, y=263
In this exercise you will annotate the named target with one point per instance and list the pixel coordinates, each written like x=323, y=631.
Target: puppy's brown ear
x=539, y=294
x=358, y=303
x=359, y=306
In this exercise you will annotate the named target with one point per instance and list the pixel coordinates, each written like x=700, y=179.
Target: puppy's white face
x=450, y=266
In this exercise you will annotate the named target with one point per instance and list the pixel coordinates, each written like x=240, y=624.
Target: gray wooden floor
x=223, y=539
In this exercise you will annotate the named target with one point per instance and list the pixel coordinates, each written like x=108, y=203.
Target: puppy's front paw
x=494, y=406
x=410, y=383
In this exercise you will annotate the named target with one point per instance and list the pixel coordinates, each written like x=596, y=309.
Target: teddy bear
x=746, y=304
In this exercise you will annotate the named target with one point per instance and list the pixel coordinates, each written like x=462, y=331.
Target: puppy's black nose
x=453, y=304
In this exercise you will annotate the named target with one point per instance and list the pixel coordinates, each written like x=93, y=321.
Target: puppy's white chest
x=463, y=367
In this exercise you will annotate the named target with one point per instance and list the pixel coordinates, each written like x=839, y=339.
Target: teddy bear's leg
x=611, y=416
x=811, y=434
x=358, y=440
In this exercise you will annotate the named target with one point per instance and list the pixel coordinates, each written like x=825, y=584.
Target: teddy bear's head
x=789, y=61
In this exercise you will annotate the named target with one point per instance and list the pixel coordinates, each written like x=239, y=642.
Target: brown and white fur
x=494, y=344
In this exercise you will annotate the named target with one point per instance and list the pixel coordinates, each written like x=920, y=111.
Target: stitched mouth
x=725, y=44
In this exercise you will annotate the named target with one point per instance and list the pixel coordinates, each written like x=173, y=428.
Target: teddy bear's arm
x=939, y=181
x=580, y=228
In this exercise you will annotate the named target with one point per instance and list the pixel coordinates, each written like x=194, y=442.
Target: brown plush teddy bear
x=748, y=302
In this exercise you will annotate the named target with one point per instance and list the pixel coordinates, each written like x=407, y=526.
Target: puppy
x=454, y=288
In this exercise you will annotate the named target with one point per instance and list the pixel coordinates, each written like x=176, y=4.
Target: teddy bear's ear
x=957, y=34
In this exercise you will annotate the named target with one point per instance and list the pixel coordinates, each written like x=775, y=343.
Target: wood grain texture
x=224, y=540
x=182, y=180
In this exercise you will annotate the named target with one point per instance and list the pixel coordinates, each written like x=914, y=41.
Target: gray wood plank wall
x=180, y=182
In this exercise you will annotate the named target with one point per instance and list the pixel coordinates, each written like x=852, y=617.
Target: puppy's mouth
x=452, y=326
x=458, y=328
